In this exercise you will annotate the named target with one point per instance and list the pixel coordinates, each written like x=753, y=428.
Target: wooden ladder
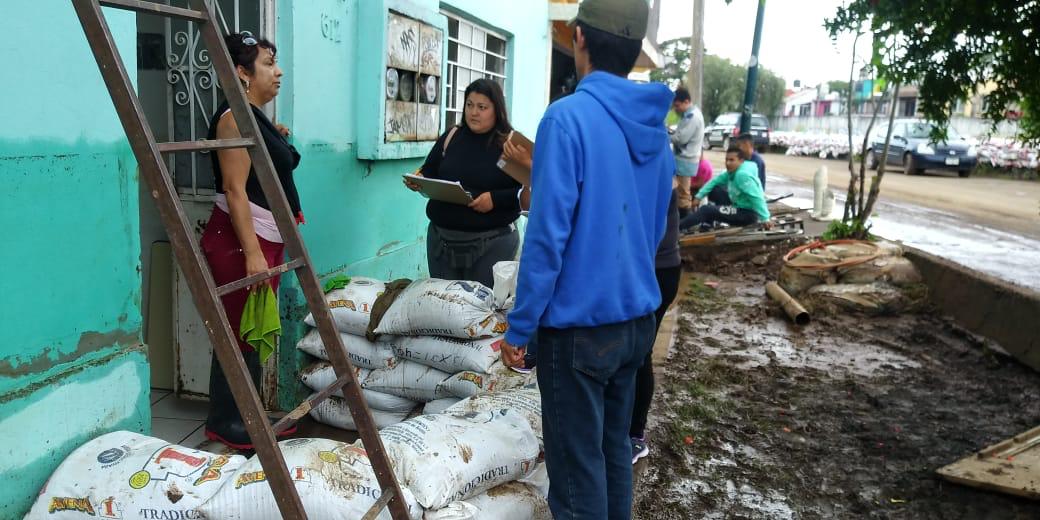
x=196, y=271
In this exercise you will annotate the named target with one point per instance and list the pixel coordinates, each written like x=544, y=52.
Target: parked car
x=727, y=126
x=913, y=148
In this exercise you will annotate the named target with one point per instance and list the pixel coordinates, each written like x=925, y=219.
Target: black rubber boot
x=224, y=423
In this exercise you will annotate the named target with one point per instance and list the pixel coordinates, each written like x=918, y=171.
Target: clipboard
x=444, y=191
x=512, y=169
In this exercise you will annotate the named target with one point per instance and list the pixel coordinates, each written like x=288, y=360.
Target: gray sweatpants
x=465, y=255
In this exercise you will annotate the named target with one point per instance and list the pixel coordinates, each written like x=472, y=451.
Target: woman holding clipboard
x=463, y=242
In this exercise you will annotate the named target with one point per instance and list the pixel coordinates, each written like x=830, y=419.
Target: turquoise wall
x=72, y=365
x=361, y=219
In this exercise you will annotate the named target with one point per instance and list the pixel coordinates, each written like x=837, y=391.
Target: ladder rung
x=203, y=145
x=377, y=507
x=292, y=417
x=259, y=277
x=154, y=8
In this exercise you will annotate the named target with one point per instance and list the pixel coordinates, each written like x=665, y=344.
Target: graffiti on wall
x=412, y=80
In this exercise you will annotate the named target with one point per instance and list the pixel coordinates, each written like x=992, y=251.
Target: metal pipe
x=794, y=310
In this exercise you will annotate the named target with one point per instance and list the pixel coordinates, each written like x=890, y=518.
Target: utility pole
x=752, y=73
x=695, y=76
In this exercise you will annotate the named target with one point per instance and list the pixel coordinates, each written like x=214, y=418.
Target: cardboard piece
x=512, y=169
x=1011, y=466
x=444, y=191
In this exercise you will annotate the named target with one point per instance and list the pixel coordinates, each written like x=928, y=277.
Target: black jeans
x=719, y=196
x=710, y=214
x=464, y=255
x=668, y=281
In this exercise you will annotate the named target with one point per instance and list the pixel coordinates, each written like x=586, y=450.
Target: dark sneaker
x=640, y=449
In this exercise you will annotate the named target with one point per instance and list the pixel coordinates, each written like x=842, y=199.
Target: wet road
x=946, y=216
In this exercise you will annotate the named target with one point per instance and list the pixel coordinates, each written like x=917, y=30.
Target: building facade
x=94, y=314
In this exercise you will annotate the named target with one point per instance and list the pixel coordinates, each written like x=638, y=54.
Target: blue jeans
x=587, y=381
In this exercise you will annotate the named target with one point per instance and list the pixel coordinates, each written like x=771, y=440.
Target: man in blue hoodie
x=602, y=178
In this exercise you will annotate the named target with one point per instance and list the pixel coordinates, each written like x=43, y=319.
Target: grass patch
x=701, y=298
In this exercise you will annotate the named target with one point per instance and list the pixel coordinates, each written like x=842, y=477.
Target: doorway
x=179, y=92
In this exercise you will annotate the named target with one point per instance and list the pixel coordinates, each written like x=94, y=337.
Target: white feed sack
x=433, y=307
x=334, y=481
x=409, y=380
x=351, y=306
x=445, y=458
x=449, y=354
x=320, y=375
x=440, y=405
x=131, y=476
x=334, y=411
x=505, y=275
x=525, y=401
x=497, y=379
x=362, y=352
x=510, y=501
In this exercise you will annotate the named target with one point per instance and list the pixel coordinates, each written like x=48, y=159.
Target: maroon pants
x=227, y=262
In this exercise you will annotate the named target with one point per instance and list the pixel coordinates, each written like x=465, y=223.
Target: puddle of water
x=773, y=342
x=769, y=505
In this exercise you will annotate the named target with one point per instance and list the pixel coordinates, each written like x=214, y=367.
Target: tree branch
x=875, y=183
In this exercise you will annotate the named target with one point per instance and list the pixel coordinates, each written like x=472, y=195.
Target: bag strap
x=447, y=140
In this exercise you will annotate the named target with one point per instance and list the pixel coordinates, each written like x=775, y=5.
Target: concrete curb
x=984, y=305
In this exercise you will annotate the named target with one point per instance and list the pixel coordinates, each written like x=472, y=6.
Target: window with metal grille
x=474, y=52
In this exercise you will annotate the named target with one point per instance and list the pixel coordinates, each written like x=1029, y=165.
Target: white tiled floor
x=176, y=420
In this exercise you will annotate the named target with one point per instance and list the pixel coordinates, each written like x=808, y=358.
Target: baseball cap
x=623, y=18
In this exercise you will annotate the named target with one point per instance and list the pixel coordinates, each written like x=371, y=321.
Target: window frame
x=453, y=107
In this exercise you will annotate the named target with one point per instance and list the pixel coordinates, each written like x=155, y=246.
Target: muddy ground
x=848, y=417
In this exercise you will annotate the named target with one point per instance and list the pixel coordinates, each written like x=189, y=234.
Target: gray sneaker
x=640, y=448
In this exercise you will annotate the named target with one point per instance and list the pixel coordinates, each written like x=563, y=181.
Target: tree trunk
x=875, y=184
x=859, y=204
x=850, y=198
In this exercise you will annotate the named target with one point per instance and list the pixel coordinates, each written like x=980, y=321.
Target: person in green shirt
x=745, y=192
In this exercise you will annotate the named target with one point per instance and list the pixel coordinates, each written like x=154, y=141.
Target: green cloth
x=745, y=190
x=260, y=322
x=336, y=282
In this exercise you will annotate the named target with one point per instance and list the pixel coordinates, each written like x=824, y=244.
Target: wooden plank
x=1011, y=466
x=144, y=7
x=204, y=145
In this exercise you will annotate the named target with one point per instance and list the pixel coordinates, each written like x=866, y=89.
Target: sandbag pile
x=437, y=342
x=851, y=275
x=476, y=460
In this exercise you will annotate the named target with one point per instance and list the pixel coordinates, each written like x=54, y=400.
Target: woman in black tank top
x=241, y=238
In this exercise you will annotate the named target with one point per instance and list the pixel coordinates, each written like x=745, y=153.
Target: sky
x=794, y=43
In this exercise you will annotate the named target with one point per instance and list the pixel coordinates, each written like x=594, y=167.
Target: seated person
x=746, y=142
x=704, y=174
x=745, y=191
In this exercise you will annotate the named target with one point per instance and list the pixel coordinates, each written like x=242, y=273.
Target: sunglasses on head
x=248, y=38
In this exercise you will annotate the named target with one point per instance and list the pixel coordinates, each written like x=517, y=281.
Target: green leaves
x=954, y=48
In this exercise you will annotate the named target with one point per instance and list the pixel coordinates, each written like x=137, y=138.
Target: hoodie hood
x=638, y=109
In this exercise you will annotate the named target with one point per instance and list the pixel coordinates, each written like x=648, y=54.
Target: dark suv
x=727, y=126
x=913, y=148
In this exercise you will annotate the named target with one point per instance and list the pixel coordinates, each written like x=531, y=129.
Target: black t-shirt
x=283, y=155
x=471, y=159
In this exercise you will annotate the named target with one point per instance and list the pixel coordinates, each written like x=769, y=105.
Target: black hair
x=610, y=53
x=243, y=55
x=493, y=91
x=735, y=149
x=746, y=137
x=681, y=95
